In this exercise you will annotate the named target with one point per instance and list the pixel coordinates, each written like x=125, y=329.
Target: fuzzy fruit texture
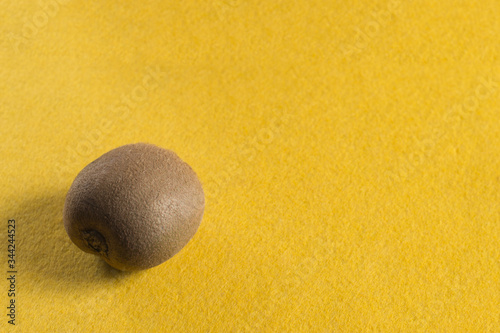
x=135, y=206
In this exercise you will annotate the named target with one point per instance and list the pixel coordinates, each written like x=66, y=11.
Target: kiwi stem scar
x=95, y=241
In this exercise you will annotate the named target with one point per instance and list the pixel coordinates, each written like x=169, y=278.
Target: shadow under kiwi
x=47, y=256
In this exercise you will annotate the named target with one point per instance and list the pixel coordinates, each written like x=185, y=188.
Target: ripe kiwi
x=135, y=206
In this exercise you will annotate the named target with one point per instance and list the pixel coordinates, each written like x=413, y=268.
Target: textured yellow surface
x=349, y=151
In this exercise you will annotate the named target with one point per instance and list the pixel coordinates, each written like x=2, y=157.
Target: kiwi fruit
x=136, y=206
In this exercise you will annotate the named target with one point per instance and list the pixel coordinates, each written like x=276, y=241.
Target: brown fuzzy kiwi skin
x=136, y=206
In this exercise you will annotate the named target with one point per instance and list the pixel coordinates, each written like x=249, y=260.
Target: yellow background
x=349, y=152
